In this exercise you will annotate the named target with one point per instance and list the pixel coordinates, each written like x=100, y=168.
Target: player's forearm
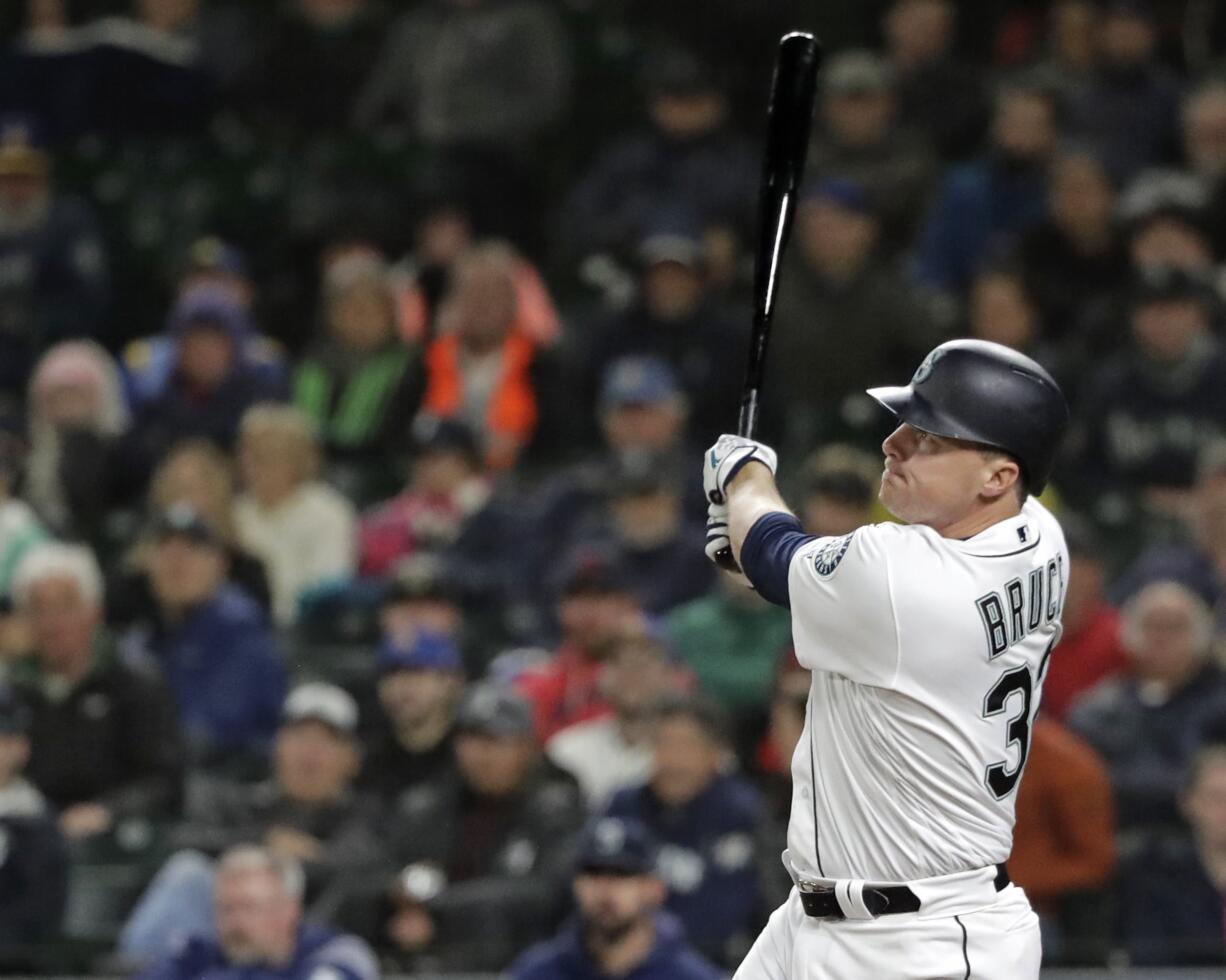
x=751, y=494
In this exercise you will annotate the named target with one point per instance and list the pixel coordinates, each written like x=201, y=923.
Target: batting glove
x=724, y=460
x=718, y=539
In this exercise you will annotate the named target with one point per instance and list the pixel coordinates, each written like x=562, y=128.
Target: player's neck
x=980, y=519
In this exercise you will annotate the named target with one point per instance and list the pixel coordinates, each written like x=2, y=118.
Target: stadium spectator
x=1204, y=145
x=1073, y=259
x=420, y=598
x=834, y=276
x=215, y=377
x=359, y=383
x=620, y=928
x=1147, y=723
x=1146, y=413
x=982, y=203
x=1073, y=47
x=731, y=640
x=411, y=739
x=105, y=741
x=1089, y=649
x=688, y=160
x=306, y=811
x=218, y=38
x=20, y=528
x=481, y=370
x=34, y=861
x=309, y=71
x=257, y=902
x=213, y=644
x=1001, y=308
x=1064, y=834
x=1166, y=222
x=1194, y=559
x=865, y=141
x=676, y=319
x=595, y=604
x=78, y=467
x=707, y=821
x=302, y=529
x=938, y=94
x=199, y=474
x=491, y=843
x=212, y=266
x=1171, y=910
x=56, y=284
x=614, y=752
x=1130, y=109
x=840, y=490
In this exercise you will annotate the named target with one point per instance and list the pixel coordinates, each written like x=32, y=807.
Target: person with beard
x=257, y=902
x=620, y=929
x=1002, y=194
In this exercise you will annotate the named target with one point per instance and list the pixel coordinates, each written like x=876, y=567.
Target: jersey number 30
x=1001, y=779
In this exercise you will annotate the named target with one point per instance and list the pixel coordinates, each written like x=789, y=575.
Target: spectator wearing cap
x=419, y=687
x=211, y=266
x=840, y=490
x=306, y=810
x=835, y=276
x=78, y=467
x=34, y=858
x=488, y=843
x=862, y=140
x=482, y=369
x=421, y=597
x=687, y=157
x=1166, y=222
x=303, y=530
x=213, y=382
x=20, y=528
x=595, y=603
x=1090, y=649
x=257, y=901
x=212, y=642
x=1002, y=194
x=620, y=928
x=1147, y=722
x=359, y=382
x=1064, y=839
x=676, y=318
x=938, y=93
x=614, y=752
x=56, y=283
x=1147, y=412
x=1130, y=108
x=1172, y=908
x=1074, y=258
x=105, y=739
x=707, y=821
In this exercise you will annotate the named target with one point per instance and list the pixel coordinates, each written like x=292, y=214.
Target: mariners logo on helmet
x=827, y=560
x=925, y=368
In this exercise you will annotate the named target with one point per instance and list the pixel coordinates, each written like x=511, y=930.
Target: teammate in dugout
x=928, y=643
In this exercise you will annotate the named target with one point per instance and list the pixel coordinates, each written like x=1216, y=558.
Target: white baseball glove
x=724, y=460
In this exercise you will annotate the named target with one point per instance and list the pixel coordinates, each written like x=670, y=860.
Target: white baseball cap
x=318, y=701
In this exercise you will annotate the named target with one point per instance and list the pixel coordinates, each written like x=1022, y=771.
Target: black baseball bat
x=789, y=116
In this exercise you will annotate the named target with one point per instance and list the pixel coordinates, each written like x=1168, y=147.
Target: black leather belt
x=886, y=900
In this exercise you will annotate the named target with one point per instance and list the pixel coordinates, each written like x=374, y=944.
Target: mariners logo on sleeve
x=827, y=560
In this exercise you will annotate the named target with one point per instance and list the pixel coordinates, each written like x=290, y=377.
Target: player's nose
x=893, y=446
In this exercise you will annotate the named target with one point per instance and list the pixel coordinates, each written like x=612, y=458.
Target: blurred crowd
x=355, y=361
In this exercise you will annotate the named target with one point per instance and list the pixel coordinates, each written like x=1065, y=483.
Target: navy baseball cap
x=619, y=844
x=210, y=305
x=15, y=717
x=489, y=709
x=428, y=651
x=638, y=381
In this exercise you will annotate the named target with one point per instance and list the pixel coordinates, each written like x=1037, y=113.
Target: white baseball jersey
x=928, y=655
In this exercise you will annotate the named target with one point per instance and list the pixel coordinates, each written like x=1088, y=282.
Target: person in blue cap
x=619, y=929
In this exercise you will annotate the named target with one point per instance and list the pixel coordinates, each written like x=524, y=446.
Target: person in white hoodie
x=302, y=529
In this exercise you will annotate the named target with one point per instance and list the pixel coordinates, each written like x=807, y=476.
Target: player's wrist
x=752, y=473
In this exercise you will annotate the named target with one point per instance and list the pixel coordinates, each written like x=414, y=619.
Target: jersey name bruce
x=1022, y=606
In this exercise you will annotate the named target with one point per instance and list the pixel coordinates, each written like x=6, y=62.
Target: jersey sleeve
x=843, y=617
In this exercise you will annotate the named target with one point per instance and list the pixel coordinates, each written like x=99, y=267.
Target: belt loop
x=849, y=893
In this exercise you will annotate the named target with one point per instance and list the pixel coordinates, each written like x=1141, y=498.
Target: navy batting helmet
x=990, y=394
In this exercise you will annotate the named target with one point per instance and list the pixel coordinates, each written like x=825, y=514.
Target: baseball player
x=928, y=642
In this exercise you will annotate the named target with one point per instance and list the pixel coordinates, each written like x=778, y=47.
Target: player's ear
x=1002, y=477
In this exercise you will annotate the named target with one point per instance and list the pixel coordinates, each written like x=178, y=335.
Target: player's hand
x=718, y=540
x=725, y=459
